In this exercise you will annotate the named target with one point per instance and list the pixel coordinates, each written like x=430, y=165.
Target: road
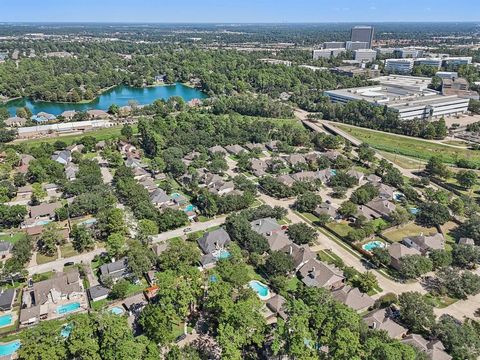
x=57, y=265
x=194, y=227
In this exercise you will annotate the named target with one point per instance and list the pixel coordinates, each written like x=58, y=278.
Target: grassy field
x=341, y=228
x=410, y=229
x=102, y=134
x=67, y=250
x=403, y=161
x=12, y=237
x=42, y=259
x=411, y=147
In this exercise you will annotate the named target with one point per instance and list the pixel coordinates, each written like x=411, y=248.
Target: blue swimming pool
x=117, y=310
x=189, y=207
x=43, y=222
x=88, y=222
x=5, y=320
x=373, y=245
x=261, y=289
x=66, y=330
x=65, y=309
x=398, y=196
x=222, y=254
x=414, y=210
x=175, y=195
x=10, y=348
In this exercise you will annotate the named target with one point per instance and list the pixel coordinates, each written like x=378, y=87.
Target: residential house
x=134, y=304
x=100, y=145
x=306, y=176
x=466, y=241
x=384, y=207
x=52, y=190
x=312, y=157
x=24, y=163
x=277, y=304
x=353, y=298
x=325, y=175
x=75, y=148
x=46, y=211
x=68, y=114
x=300, y=254
x=397, y=251
x=140, y=173
x=433, y=348
x=235, y=149
x=221, y=188
x=272, y=145
x=265, y=226
x=7, y=297
x=15, y=121
x=332, y=155
x=318, y=274
x=277, y=240
x=98, y=114
x=276, y=163
x=134, y=163
x=159, y=248
x=98, y=292
x=369, y=214
x=42, y=117
x=217, y=149
x=115, y=270
x=385, y=192
x=374, y=179
x=61, y=287
x=296, y=159
x=425, y=243
x=159, y=198
x=63, y=157
x=356, y=174
x=326, y=209
x=25, y=192
x=380, y=320
x=71, y=171
x=258, y=167
x=252, y=147
x=214, y=241
x=5, y=249
x=128, y=150
x=285, y=179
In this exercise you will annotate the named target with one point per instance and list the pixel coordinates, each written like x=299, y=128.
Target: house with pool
x=214, y=246
x=53, y=298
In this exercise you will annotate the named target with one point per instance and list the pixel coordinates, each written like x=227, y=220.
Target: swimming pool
x=66, y=330
x=175, y=195
x=414, y=210
x=221, y=254
x=88, y=222
x=10, y=348
x=373, y=245
x=398, y=196
x=43, y=222
x=65, y=309
x=189, y=207
x=261, y=289
x=117, y=310
x=5, y=320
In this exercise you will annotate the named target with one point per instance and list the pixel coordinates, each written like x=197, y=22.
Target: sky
x=238, y=11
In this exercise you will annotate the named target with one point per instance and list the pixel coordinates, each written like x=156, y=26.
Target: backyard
x=410, y=229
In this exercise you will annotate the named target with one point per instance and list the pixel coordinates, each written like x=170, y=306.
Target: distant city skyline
x=239, y=11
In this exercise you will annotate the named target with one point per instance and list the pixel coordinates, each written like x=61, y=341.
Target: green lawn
x=341, y=228
x=410, y=229
x=99, y=305
x=310, y=217
x=12, y=237
x=42, y=276
x=412, y=147
x=440, y=301
x=67, y=250
x=43, y=259
x=403, y=161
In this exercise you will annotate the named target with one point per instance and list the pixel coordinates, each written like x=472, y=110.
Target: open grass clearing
x=13, y=236
x=408, y=146
x=43, y=259
x=411, y=229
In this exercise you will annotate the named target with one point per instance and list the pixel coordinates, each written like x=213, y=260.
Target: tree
x=433, y=214
x=307, y=202
x=171, y=219
x=415, y=312
x=440, y=258
x=115, y=244
x=466, y=178
x=147, y=228
x=179, y=254
x=461, y=339
x=82, y=343
x=127, y=132
x=347, y=209
x=50, y=238
x=400, y=216
x=140, y=259
x=465, y=256
x=366, y=281
x=113, y=109
x=366, y=153
x=279, y=263
x=157, y=323
x=51, y=347
x=110, y=221
x=120, y=289
x=364, y=194
x=302, y=233
x=458, y=284
x=381, y=256
x=412, y=266
x=82, y=238
x=436, y=167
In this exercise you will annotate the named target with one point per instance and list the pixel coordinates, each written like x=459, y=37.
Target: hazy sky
x=238, y=10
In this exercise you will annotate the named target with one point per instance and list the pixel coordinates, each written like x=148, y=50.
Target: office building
x=327, y=53
x=459, y=60
x=410, y=101
x=458, y=86
x=435, y=62
x=446, y=74
x=408, y=53
x=333, y=44
x=385, y=51
x=399, y=66
x=365, y=55
x=353, y=71
x=363, y=34
x=356, y=45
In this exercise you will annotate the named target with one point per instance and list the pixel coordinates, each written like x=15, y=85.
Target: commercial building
x=327, y=53
x=435, y=62
x=399, y=66
x=447, y=74
x=411, y=53
x=411, y=99
x=459, y=87
x=385, y=51
x=459, y=60
x=353, y=71
x=356, y=45
x=363, y=34
x=334, y=45
x=366, y=55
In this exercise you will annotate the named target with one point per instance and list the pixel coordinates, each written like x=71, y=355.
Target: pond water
x=119, y=95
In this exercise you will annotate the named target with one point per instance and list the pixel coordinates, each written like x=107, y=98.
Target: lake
x=119, y=95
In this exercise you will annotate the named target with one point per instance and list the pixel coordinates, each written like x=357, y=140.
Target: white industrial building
x=409, y=96
x=327, y=53
x=356, y=45
x=435, y=62
x=365, y=55
x=399, y=66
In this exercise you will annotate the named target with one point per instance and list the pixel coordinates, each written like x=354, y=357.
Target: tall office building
x=363, y=34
